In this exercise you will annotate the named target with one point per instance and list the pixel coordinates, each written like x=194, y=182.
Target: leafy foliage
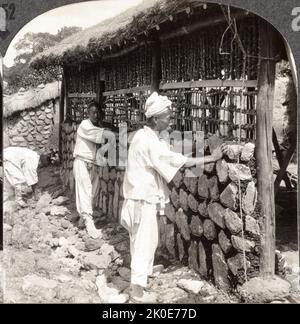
x=21, y=74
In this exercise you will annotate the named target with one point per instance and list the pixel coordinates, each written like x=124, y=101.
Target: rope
x=239, y=181
x=232, y=25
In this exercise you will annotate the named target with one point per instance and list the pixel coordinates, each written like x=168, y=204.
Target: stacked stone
x=68, y=133
x=110, y=197
x=31, y=128
x=203, y=224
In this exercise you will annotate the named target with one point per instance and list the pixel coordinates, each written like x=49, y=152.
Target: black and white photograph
x=149, y=153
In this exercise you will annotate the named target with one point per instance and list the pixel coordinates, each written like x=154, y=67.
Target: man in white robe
x=89, y=135
x=151, y=165
x=20, y=167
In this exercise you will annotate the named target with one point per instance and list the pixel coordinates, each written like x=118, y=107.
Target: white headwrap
x=156, y=105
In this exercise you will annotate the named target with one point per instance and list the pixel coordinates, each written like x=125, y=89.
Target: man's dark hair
x=91, y=104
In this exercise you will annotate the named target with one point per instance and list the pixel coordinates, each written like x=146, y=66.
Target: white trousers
x=86, y=185
x=140, y=219
x=25, y=174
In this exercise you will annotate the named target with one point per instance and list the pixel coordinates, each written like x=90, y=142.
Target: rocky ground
x=48, y=258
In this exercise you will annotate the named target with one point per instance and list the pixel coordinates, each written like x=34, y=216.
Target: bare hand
x=220, y=151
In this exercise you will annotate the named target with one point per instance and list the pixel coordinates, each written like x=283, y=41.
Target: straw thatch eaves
x=32, y=98
x=130, y=28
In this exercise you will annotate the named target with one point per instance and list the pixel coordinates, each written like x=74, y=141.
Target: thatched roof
x=32, y=98
x=90, y=44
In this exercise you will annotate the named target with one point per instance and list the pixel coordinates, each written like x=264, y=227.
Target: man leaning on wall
x=89, y=136
x=151, y=165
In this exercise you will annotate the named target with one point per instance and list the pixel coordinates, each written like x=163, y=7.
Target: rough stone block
x=209, y=167
x=233, y=221
x=239, y=172
x=110, y=206
x=105, y=175
x=183, y=200
x=252, y=226
x=170, y=239
x=222, y=170
x=234, y=151
x=104, y=204
x=224, y=242
x=202, y=260
x=121, y=190
x=203, y=186
x=39, y=287
x=213, y=188
x=239, y=244
x=48, y=110
x=178, y=179
x=39, y=138
x=191, y=184
x=175, y=198
x=193, y=256
x=121, y=201
x=110, y=186
x=192, y=203
x=236, y=263
x=103, y=186
x=40, y=122
x=18, y=139
x=100, y=199
x=247, y=152
x=202, y=209
x=162, y=232
x=249, y=199
x=116, y=201
x=229, y=196
x=180, y=246
x=209, y=229
x=30, y=138
x=170, y=212
x=264, y=290
x=214, y=142
x=182, y=224
x=196, y=226
x=216, y=213
x=113, y=174
x=220, y=268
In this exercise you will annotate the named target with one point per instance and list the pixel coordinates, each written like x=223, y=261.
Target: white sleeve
x=165, y=161
x=90, y=132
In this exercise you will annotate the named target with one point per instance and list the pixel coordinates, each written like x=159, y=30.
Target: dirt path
x=49, y=259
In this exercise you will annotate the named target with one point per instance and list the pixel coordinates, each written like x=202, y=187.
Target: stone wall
x=203, y=225
x=32, y=128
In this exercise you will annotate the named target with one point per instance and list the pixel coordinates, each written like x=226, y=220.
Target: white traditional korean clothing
x=20, y=166
x=151, y=165
x=85, y=169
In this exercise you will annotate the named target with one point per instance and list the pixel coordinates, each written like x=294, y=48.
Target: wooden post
x=265, y=98
x=61, y=113
x=156, y=67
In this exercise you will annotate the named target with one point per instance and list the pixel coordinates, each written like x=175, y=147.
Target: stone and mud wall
x=211, y=222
